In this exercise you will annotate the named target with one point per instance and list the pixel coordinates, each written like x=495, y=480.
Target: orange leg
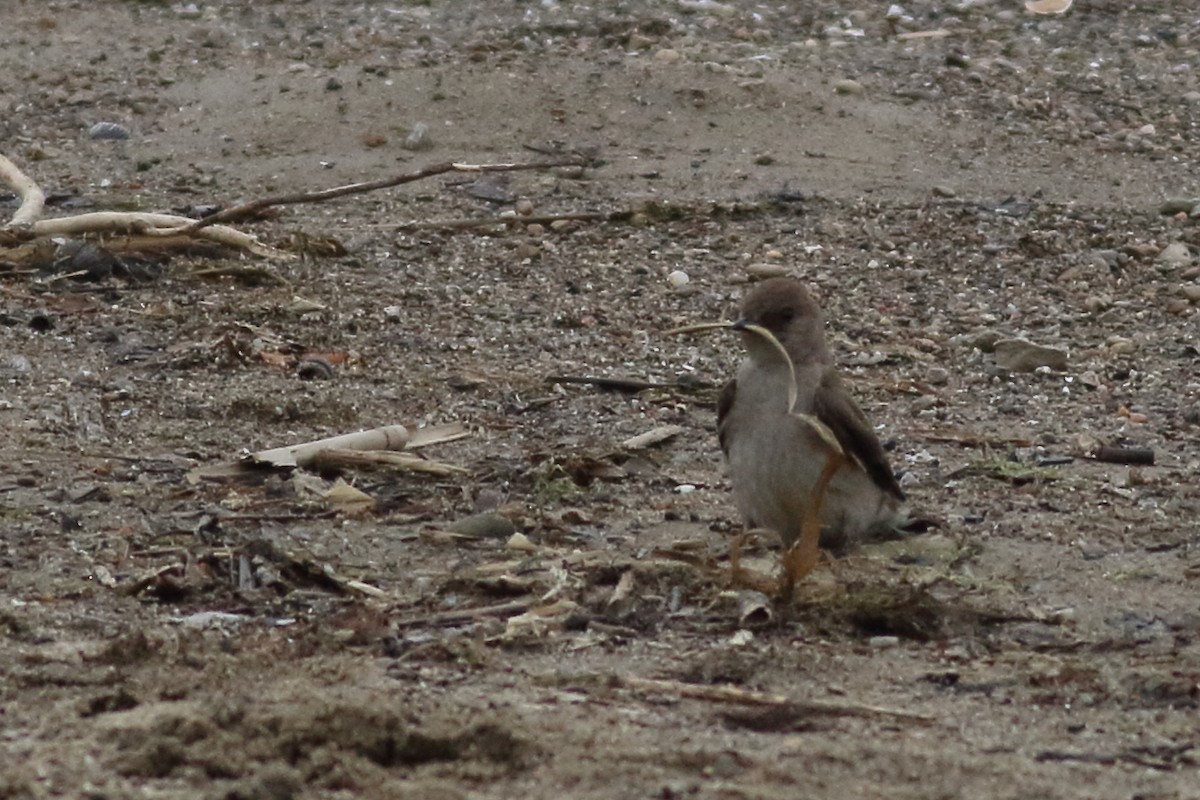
x=803, y=555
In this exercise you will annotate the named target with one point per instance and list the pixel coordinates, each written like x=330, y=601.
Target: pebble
x=520, y=543
x=984, y=341
x=937, y=376
x=488, y=525
x=1022, y=355
x=763, y=271
x=848, y=86
x=1119, y=345
x=108, y=131
x=418, y=138
x=1184, y=205
x=1190, y=291
x=17, y=364
x=667, y=55
x=883, y=642
x=1176, y=254
x=528, y=250
x=678, y=278
x=524, y=207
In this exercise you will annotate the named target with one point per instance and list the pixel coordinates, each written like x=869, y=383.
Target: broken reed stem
x=321, y=195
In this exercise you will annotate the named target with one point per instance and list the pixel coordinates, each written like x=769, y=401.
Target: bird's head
x=785, y=308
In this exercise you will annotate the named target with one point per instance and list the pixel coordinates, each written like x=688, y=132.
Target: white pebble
x=678, y=278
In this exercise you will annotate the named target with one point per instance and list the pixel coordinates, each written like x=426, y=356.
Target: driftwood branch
x=146, y=224
x=33, y=199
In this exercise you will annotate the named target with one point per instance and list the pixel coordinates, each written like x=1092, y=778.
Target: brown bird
x=775, y=457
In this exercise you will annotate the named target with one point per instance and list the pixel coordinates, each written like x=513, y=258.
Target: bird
x=776, y=455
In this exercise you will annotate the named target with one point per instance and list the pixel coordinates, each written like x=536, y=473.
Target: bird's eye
x=779, y=318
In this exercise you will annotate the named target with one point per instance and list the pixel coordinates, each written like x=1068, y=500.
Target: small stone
x=1176, y=306
x=535, y=229
x=763, y=271
x=1183, y=205
x=944, y=191
x=678, y=278
x=937, y=376
x=848, y=86
x=17, y=364
x=1119, y=345
x=924, y=402
x=1022, y=355
x=667, y=55
x=520, y=543
x=488, y=525
x=418, y=138
x=108, y=131
x=333, y=85
x=560, y=225
x=1174, y=255
x=528, y=250
x=1190, y=291
x=1147, y=130
x=883, y=642
x=524, y=207
x=984, y=341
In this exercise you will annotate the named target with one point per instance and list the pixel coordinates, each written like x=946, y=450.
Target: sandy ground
x=963, y=173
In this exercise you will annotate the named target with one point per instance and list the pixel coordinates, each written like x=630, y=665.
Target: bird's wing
x=724, y=406
x=835, y=407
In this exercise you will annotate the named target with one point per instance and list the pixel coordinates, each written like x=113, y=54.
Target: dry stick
x=540, y=219
x=466, y=614
x=620, y=384
x=738, y=696
x=320, y=196
x=334, y=458
x=33, y=199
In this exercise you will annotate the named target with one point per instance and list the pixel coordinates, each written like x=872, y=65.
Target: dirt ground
x=963, y=172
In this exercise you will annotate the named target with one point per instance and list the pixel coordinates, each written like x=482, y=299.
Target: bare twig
x=335, y=458
x=1124, y=455
x=620, y=384
x=320, y=196
x=745, y=697
x=33, y=199
x=540, y=219
x=457, y=616
x=652, y=437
